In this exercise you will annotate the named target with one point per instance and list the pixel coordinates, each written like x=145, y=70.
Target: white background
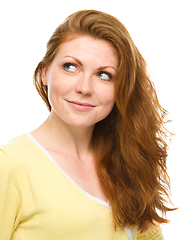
x=158, y=28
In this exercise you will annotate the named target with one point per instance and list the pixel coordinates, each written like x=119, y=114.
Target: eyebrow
x=81, y=64
x=77, y=60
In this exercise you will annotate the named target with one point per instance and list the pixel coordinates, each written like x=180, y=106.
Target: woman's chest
x=83, y=174
x=57, y=209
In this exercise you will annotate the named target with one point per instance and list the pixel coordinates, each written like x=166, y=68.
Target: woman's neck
x=56, y=135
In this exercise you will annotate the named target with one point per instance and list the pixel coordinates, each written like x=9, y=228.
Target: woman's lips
x=81, y=106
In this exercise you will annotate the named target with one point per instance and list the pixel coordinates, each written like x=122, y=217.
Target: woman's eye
x=105, y=76
x=70, y=67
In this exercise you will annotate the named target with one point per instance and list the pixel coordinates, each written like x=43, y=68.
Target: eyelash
x=101, y=72
x=109, y=74
x=68, y=64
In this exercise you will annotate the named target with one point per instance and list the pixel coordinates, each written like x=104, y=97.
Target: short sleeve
x=9, y=198
x=155, y=234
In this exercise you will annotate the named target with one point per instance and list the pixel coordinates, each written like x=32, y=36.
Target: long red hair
x=130, y=144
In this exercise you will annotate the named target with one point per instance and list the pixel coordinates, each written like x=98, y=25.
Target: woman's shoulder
x=15, y=147
x=12, y=152
x=23, y=155
x=22, y=159
x=18, y=151
x=16, y=141
x=154, y=233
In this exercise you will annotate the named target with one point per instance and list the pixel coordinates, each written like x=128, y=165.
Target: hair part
x=130, y=144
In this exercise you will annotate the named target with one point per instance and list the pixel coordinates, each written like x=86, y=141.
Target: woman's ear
x=44, y=75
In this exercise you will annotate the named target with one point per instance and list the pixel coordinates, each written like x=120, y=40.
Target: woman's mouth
x=81, y=106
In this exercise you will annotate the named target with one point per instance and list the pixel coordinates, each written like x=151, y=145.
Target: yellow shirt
x=39, y=201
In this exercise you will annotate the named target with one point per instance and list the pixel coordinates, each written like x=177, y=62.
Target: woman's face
x=81, y=81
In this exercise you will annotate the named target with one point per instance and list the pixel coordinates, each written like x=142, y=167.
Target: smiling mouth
x=81, y=106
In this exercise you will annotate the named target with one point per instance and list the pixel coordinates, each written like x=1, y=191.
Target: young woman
x=96, y=168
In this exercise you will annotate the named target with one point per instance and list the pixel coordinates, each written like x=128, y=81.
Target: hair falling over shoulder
x=130, y=145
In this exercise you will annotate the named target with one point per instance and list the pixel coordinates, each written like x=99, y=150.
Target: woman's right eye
x=70, y=67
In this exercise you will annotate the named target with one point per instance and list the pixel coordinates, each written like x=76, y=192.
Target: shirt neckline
x=103, y=203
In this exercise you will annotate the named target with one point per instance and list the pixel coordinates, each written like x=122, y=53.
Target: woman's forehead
x=87, y=48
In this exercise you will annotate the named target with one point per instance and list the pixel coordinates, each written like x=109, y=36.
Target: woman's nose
x=84, y=85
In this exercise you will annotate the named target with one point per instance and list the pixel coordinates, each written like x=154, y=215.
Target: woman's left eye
x=105, y=76
x=70, y=67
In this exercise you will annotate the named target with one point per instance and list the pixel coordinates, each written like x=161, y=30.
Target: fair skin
x=80, y=84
